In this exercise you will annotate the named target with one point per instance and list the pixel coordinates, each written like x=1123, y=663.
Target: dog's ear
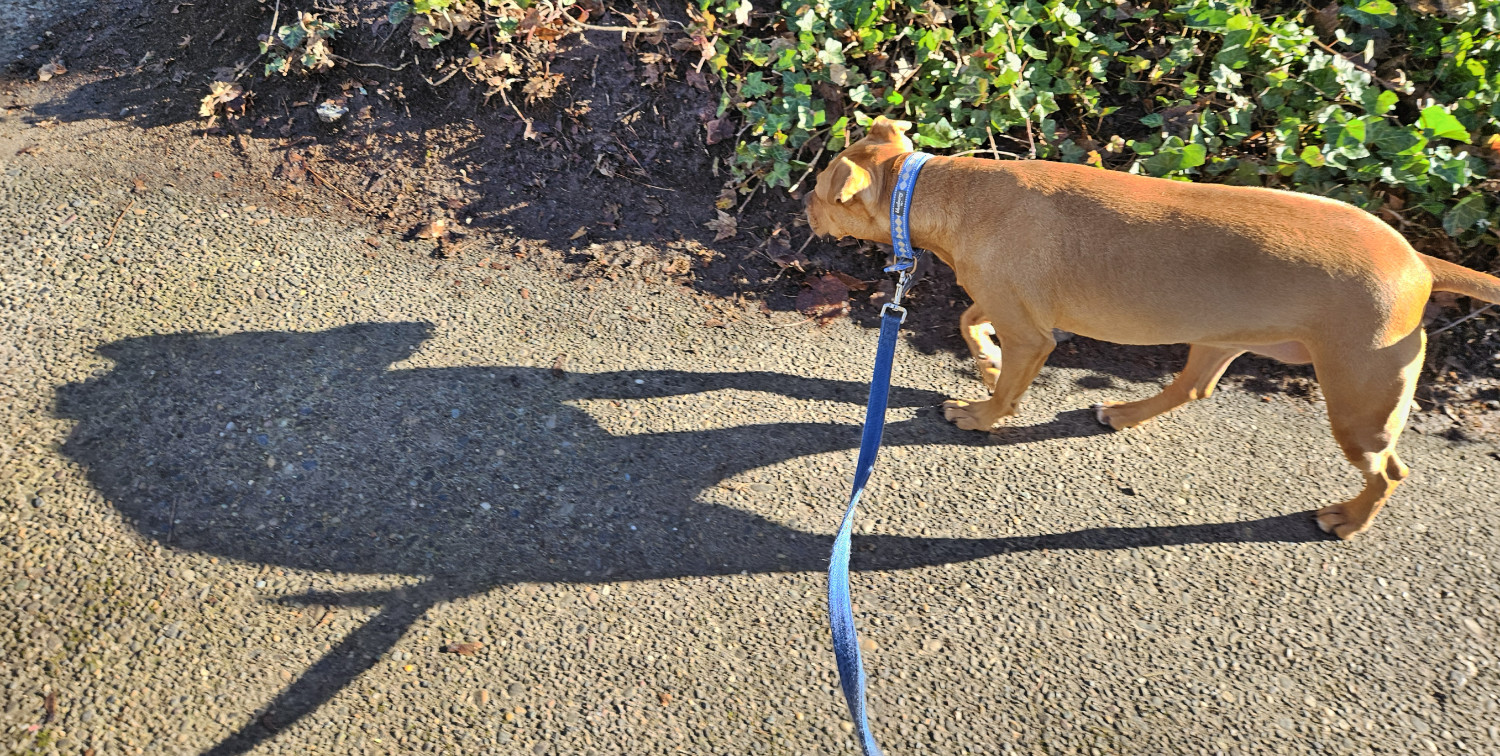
x=886, y=130
x=847, y=179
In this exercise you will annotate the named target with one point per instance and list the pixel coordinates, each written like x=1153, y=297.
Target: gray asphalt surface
x=256, y=484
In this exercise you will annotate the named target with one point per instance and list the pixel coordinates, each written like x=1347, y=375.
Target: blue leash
x=840, y=612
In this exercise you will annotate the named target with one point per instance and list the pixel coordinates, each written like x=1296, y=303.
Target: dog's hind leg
x=979, y=334
x=1369, y=395
x=1025, y=353
x=1205, y=365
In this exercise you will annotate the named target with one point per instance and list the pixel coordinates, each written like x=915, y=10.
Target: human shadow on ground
x=307, y=451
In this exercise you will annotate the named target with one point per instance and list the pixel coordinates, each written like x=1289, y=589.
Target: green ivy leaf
x=1392, y=140
x=755, y=85
x=1463, y=216
x=1442, y=124
x=1385, y=102
x=1377, y=7
x=399, y=12
x=1193, y=155
x=291, y=35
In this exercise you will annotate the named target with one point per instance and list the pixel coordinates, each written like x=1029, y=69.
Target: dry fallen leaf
x=656, y=64
x=724, y=226
x=728, y=197
x=853, y=283
x=677, y=266
x=219, y=93
x=826, y=298
x=55, y=68
x=719, y=130
x=463, y=649
x=541, y=86
x=779, y=249
x=579, y=233
x=666, y=698
x=436, y=228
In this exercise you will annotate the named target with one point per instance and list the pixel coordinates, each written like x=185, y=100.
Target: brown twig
x=659, y=28
x=792, y=325
x=810, y=237
x=271, y=36
x=642, y=183
x=1465, y=318
x=116, y=225
x=442, y=81
x=372, y=65
x=813, y=164
x=325, y=182
x=530, y=133
x=739, y=213
x=996, y=153
x=1010, y=43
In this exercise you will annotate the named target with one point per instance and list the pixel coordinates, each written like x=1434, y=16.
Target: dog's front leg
x=1025, y=353
x=979, y=334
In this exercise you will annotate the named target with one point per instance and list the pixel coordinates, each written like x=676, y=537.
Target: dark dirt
x=618, y=180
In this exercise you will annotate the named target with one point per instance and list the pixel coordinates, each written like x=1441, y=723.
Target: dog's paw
x=966, y=415
x=1342, y=521
x=1108, y=413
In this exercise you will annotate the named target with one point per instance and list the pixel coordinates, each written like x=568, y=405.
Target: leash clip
x=893, y=307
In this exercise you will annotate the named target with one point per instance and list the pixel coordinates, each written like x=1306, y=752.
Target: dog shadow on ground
x=307, y=451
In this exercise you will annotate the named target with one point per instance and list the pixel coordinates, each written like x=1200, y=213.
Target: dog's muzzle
x=811, y=216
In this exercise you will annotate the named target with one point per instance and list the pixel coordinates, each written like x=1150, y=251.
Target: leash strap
x=840, y=610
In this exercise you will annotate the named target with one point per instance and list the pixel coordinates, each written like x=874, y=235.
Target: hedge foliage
x=1393, y=108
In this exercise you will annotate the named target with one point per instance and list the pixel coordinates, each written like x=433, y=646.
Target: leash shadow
x=308, y=451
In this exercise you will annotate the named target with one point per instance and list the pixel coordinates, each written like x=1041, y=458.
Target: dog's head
x=846, y=200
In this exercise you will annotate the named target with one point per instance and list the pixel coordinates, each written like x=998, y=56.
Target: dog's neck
x=929, y=226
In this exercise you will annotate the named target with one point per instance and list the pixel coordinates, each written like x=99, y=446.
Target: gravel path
x=262, y=481
x=23, y=22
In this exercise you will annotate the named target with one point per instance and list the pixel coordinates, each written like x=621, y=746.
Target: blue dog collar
x=906, y=184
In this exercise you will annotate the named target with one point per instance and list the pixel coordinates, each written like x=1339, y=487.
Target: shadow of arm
x=357, y=652
x=660, y=383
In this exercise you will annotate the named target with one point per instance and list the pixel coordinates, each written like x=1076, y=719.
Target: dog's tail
x=1460, y=280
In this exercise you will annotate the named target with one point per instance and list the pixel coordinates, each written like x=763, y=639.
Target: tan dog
x=1137, y=260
